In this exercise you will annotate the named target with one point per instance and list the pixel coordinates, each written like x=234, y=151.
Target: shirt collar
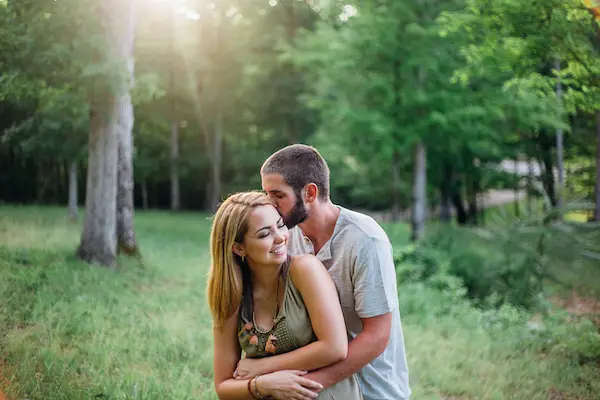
x=325, y=252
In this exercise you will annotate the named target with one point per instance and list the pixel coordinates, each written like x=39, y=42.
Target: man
x=358, y=255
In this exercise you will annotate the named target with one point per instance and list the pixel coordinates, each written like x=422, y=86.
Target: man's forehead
x=274, y=183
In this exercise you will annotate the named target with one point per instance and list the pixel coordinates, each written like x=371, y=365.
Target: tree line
x=414, y=103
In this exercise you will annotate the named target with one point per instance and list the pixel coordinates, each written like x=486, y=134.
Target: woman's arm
x=226, y=355
x=322, y=302
x=283, y=384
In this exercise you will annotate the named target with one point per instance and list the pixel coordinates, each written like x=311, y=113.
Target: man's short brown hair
x=299, y=165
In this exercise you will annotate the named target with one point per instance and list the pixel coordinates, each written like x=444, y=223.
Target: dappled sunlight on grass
x=143, y=330
x=577, y=216
x=470, y=364
x=36, y=234
x=140, y=329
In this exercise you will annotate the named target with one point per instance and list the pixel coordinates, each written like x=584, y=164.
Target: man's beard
x=297, y=215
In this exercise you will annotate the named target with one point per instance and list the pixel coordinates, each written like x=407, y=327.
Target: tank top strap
x=293, y=302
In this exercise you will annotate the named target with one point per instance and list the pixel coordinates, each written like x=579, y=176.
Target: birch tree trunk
x=419, y=192
x=72, y=206
x=111, y=111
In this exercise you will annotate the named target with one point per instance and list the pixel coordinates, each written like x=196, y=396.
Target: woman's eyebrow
x=264, y=227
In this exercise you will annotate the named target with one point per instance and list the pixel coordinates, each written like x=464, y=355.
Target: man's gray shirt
x=359, y=259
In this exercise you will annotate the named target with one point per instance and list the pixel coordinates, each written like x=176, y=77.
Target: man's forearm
x=363, y=349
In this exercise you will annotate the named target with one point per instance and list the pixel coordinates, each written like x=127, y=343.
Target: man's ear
x=239, y=249
x=310, y=193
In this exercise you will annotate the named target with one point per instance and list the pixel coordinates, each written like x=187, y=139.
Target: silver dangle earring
x=243, y=259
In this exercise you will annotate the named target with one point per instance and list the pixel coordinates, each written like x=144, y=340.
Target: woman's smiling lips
x=279, y=250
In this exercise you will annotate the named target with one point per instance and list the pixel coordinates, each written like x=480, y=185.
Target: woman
x=267, y=304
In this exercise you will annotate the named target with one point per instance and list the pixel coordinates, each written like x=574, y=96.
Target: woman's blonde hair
x=225, y=279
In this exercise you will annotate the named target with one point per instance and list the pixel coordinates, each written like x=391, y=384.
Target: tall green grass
x=142, y=331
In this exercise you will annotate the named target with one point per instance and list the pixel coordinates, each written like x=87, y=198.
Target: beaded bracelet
x=250, y=388
x=258, y=395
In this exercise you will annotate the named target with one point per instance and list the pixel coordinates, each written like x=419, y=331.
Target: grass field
x=72, y=331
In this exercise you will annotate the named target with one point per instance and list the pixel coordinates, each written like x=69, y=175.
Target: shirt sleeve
x=374, y=279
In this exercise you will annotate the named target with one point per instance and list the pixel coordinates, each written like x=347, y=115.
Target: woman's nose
x=279, y=236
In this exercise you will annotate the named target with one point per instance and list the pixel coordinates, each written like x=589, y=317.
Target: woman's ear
x=239, y=249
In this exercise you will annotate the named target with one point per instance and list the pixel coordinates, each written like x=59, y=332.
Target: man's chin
x=290, y=223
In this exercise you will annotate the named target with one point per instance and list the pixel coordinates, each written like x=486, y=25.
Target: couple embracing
x=305, y=289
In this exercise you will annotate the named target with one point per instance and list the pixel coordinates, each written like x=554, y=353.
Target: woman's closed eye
x=264, y=233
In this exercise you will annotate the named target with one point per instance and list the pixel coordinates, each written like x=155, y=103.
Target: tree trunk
x=419, y=178
x=216, y=160
x=72, y=206
x=59, y=182
x=395, y=187
x=530, y=183
x=175, y=193
x=461, y=213
x=446, y=193
x=472, y=199
x=110, y=107
x=145, y=194
x=291, y=101
x=125, y=209
x=99, y=237
x=41, y=182
x=419, y=192
x=597, y=210
x=548, y=169
x=559, y=148
x=445, y=207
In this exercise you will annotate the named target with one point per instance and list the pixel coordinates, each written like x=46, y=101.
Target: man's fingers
x=307, y=394
x=299, y=373
x=311, y=385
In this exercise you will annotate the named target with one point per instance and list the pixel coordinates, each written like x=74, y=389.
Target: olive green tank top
x=291, y=329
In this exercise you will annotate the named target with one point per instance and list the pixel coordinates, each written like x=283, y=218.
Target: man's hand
x=250, y=367
x=288, y=385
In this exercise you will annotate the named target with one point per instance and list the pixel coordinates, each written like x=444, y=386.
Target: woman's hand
x=249, y=368
x=288, y=385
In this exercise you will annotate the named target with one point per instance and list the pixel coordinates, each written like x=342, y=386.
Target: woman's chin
x=281, y=258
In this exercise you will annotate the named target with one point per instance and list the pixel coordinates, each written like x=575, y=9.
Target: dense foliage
x=396, y=94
